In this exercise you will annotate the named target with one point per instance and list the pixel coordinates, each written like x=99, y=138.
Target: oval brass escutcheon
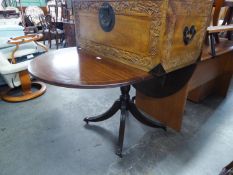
x=106, y=17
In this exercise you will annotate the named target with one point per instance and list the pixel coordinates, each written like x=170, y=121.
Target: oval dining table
x=73, y=68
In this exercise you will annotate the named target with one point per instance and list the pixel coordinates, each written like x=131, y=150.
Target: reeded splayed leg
x=108, y=114
x=124, y=114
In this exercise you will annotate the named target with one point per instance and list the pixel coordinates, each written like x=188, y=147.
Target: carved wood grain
x=168, y=18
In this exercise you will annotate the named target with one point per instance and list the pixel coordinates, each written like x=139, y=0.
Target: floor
x=47, y=136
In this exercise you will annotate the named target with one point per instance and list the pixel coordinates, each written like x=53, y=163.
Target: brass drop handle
x=189, y=34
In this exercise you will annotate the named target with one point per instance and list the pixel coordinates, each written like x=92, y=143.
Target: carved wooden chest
x=152, y=35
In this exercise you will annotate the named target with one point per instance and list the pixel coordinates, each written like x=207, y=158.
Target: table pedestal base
x=125, y=105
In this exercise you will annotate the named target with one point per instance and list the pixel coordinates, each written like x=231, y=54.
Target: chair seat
x=9, y=71
x=60, y=31
x=216, y=29
x=7, y=68
x=54, y=32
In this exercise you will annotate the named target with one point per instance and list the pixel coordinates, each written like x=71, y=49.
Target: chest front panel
x=145, y=33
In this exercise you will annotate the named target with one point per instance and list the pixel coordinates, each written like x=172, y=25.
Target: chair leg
x=63, y=37
x=62, y=40
x=50, y=44
x=216, y=37
x=44, y=37
x=57, y=41
x=212, y=43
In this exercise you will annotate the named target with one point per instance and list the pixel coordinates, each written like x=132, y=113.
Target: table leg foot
x=108, y=114
x=124, y=114
x=119, y=152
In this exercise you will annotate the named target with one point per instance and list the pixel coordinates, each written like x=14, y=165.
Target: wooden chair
x=215, y=29
x=50, y=30
x=31, y=19
x=29, y=26
x=34, y=12
x=44, y=28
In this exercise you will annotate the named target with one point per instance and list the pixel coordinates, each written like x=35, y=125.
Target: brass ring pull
x=106, y=17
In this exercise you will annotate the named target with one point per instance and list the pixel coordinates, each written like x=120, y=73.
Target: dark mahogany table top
x=69, y=68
